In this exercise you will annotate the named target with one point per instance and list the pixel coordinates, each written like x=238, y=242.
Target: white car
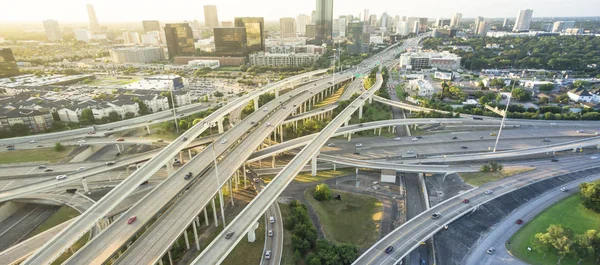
x=488, y=192
x=410, y=152
x=268, y=124
x=330, y=144
x=33, y=141
x=270, y=233
x=397, y=139
x=264, y=109
x=414, y=139
x=594, y=157
x=268, y=254
x=564, y=189
x=223, y=141
x=358, y=145
x=59, y=177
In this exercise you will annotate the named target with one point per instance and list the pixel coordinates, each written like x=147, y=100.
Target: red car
x=131, y=219
x=465, y=201
x=519, y=222
x=120, y=139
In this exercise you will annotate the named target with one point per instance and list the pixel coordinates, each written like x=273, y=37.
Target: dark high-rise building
x=423, y=24
x=324, y=21
x=231, y=41
x=151, y=25
x=311, y=31
x=211, y=19
x=357, y=37
x=255, y=32
x=180, y=40
x=8, y=65
x=52, y=30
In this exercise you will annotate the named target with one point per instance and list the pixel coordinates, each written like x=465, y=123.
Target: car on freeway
x=120, y=139
x=256, y=180
x=33, y=141
x=397, y=138
x=223, y=141
x=490, y=251
x=252, y=122
x=91, y=132
x=488, y=192
x=389, y=249
x=131, y=219
x=410, y=152
x=188, y=176
x=519, y=221
x=81, y=169
x=271, y=219
x=110, y=129
x=545, y=140
x=184, y=139
x=48, y=170
x=59, y=177
x=41, y=166
x=270, y=233
x=229, y=234
x=39, y=145
x=554, y=160
x=454, y=137
x=358, y=145
x=10, y=148
x=580, y=131
x=414, y=139
x=564, y=189
x=268, y=124
x=268, y=254
x=464, y=147
x=265, y=109
x=331, y=144
x=553, y=123
x=593, y=157
x=160, y=140
x=465, y=200
x=110, y=163
x=436, y=215
x=360, y=125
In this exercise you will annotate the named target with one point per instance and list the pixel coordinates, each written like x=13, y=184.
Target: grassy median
x=569, y=213
x=354, y=219
x=34, y=155
x=480, y=178
x=246, y=252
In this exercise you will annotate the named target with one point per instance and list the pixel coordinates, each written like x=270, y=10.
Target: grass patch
x=323, y=175
x=355, y=219
x=63, y=214
x=480, y=178
x=33, y=155
x=331, y=99
x=569, y=213
x=246, y=252
x=287, y=253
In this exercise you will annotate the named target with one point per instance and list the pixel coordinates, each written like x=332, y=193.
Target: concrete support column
x=170, y=258
x=185, y=237
x=276, y=93
x=170, y=169
x=255, y=104
x=237, y=179
x=85, y=185
x=205, y=216
x=231, y=192
x=334, y=167
x=215, y=213
x=244, y=169
x=393, y=129
x=360, y=112
x=313, y=166
x=252, y=232
x=190, y=153
x=220, y=125
x=181, y=157
x=273, y=162
x=118, y=148
x=349, y=137
x=148, y=128
x=196, y=237
x=379, y=131
x=160, y=261
x=371, y=100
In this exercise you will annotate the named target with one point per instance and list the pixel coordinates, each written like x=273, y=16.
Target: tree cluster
x=492, y=167
x=304, y=232
x=590, y=195
x=565, y=243
x=327, y=253
x=322, y=192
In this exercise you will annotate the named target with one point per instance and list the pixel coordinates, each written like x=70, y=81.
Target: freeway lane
x=108, y=242
x=408, y=236
x=61, y=242
x=151, y=246
x=220, y=247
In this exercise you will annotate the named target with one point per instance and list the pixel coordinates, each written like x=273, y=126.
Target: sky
x=179, y=10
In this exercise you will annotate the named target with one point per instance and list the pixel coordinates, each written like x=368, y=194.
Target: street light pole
x=212, y=137
x=174, y=108
x=503, y=118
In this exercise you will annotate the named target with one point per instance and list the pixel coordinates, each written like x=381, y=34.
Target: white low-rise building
x=422, y=87
x=580, y=95
x=420, y=60
x=213, y=64
x=137, y=54
x=273, y=60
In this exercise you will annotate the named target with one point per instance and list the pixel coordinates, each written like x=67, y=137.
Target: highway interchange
x=174, y=203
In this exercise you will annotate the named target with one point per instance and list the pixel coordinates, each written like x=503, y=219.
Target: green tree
x=563, y=98
x=113, y=116
x=218, y=94
x=485, y=168
x=521, y=94
x=143, y=108
x=129, y=115
x=183, y=125
x=87, y=116
x=583, y=246
x=322, y=192
x=244, y=68
x=58, y=147
x=590, y=195
x=546, y=87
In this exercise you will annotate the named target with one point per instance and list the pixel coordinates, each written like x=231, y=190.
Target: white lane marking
x=7, y=185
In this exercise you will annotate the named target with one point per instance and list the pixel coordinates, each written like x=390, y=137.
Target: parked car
x=159, y=140
x=131, y=219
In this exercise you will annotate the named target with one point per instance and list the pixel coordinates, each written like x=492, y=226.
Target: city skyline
x=106, y=11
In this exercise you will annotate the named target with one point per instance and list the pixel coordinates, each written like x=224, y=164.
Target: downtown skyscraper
x=94, y=25
x=255, y=32
x=287, y=27
x=523, y=20
x=455, y=20
x=324, y=22
x=211, y=19
x=52, y=29
x=180, y=40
